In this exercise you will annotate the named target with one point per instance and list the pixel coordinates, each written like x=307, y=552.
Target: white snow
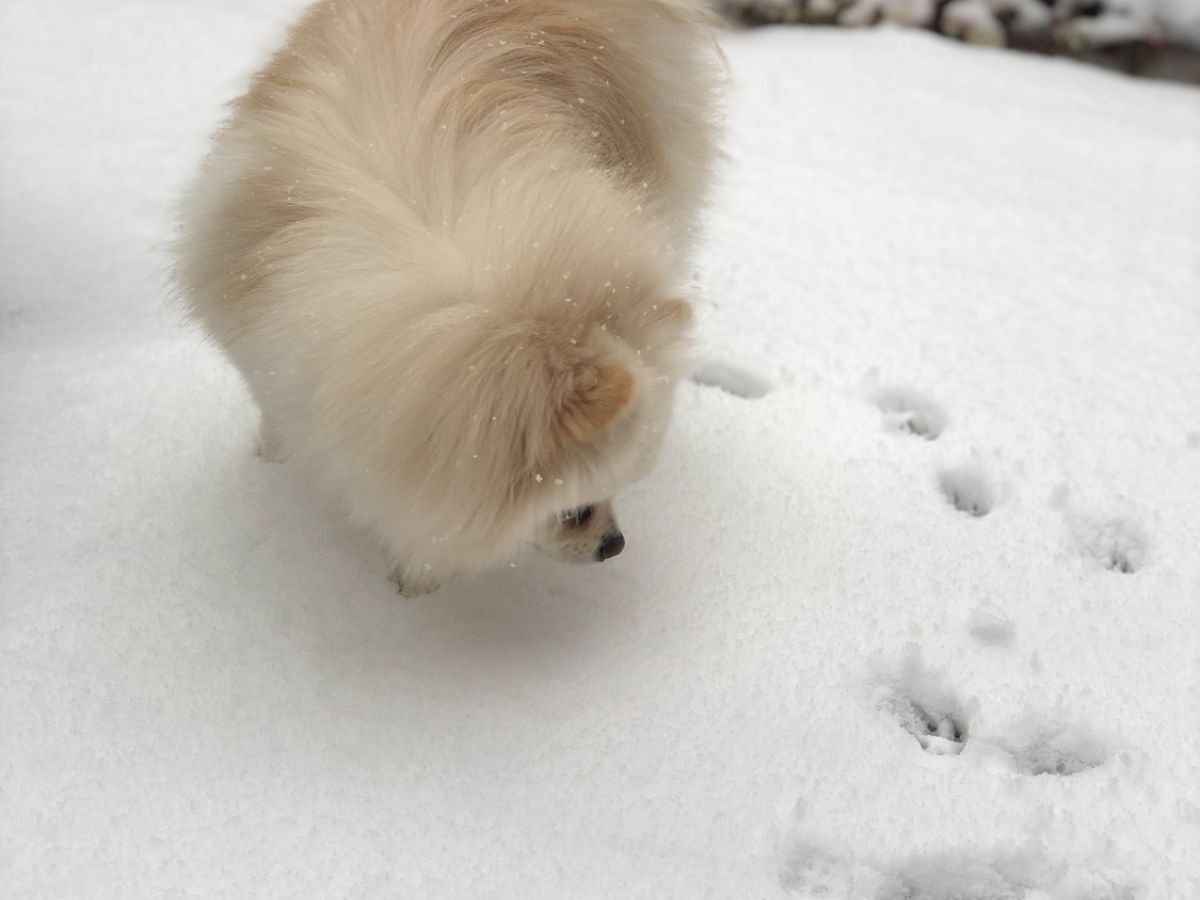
x=937, y=260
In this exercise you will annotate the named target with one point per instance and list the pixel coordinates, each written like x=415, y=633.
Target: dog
x=443, y=241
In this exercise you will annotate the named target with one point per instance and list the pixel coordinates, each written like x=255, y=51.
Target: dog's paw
x=269, y=447
x=410, y=585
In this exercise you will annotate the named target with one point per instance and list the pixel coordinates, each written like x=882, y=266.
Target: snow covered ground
x=917, y=617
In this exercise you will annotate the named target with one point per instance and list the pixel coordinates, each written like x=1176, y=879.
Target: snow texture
x=943, y=273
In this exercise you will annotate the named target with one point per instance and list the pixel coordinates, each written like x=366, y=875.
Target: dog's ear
x=596, y=395
x=678, y=312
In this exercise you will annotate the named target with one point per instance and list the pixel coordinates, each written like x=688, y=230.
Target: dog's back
x=404, y=114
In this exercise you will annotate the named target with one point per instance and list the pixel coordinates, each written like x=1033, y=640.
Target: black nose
x=613, y=543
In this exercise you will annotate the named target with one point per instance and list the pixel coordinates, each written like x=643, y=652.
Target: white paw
x=269, y=447
x=414, y=585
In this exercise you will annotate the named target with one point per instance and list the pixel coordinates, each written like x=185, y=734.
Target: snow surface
x=921, y=622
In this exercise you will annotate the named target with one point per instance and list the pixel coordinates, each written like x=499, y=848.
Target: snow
x=933, y=272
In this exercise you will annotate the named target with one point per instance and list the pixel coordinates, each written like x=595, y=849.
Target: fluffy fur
x=443, y=240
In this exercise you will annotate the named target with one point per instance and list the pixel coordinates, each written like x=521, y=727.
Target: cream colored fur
x=443, y=240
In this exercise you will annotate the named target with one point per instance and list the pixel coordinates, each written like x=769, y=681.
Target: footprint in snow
x=922, y=706
x=1115, y=544
x=990, y=624
x=939, y=731
x=732, y=380
x=1061, y=752
x=968, y=490
x=909, y=412
x=812, y=870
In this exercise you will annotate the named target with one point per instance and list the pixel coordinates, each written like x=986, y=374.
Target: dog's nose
x=613, y=543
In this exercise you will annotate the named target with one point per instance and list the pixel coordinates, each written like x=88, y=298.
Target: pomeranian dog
x=444, y=241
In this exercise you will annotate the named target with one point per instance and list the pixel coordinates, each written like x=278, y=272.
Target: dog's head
x=587, y=533
x=613, y=406
x=507, y=431
x=567, y=411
